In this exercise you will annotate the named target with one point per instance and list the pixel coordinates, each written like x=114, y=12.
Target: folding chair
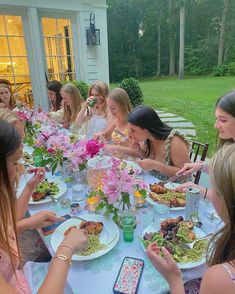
x=199, y=152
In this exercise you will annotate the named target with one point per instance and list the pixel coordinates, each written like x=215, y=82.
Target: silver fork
x=78, y=217
x=54, y=199
x=190, y=245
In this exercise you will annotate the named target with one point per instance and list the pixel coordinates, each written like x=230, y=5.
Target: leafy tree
x=144, y=37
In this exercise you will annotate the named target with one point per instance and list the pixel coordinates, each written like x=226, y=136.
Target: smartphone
x=129, y=275
x=50, y=229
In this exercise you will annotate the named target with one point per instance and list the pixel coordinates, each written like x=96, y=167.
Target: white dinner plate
x=171, y=185
x=28, y=149
x=150, y=201
x=154, y=227
x=109, y=235
x=131, y=165
x=62, y=189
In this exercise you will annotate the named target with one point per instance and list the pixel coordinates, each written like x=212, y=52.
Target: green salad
x=46, y=187
x=173, y=237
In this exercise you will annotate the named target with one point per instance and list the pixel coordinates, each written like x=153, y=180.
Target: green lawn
x=192, y=98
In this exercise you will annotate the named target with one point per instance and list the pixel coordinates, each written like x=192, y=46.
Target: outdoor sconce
x=92, y=34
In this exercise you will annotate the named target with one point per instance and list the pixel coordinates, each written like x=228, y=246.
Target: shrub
x=220, y=70
x=132, y=87
x=82, y=87
x=231, y=68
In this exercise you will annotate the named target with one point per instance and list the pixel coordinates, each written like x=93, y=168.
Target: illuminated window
x=59, y=50
x=13, y=58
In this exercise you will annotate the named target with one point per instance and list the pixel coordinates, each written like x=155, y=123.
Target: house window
x=14, y=68
x=59, y=50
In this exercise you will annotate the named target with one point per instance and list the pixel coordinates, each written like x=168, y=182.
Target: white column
x=36, y=58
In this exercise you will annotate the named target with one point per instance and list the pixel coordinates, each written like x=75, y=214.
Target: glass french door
x=58, y=42
x=14, y=67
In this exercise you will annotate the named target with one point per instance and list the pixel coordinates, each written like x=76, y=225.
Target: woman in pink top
x=12, y=278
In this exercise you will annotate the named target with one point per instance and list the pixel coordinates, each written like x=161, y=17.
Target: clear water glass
x=161, y=211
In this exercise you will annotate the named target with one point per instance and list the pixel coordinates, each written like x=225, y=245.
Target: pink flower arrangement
x=118, y=186
x=93, y=147
x=24, y=114
x=54, y=144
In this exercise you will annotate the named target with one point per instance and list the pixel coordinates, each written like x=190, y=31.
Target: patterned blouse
x=168, y=160
x=120, y=138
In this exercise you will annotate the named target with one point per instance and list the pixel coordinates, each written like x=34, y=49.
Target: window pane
x=2, y=26
x=58, y=48
x=6, y=67
x=69, y=46
x=13, y=58
x=14, y=25
x=20, y=65
x=70, y=64
x=49, y=27
x=4, y=51
x=62, y=26
x=71, y=76
x=54, y=76
x=17, y=46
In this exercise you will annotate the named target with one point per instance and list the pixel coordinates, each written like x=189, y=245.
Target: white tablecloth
x=98, y=275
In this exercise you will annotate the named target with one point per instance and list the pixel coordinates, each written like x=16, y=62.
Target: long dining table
x=98, y=275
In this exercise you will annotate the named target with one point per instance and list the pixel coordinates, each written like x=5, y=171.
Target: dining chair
x=199, y=152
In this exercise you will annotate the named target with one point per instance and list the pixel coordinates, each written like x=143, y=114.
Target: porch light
x=92, y=34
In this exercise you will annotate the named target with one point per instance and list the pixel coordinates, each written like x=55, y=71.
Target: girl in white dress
x=92, y=118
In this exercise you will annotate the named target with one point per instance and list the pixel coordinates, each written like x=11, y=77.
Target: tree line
x=169, y=37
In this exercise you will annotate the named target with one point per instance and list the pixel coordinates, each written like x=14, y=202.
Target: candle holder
x=92, y=203
x=97, y=169
x=139, y=199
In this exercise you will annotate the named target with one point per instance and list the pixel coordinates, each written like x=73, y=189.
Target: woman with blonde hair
x=71, y=105
x=13, y=119
x=119, y=106
x=93, y=116
x=220, y=276
x=7, y=100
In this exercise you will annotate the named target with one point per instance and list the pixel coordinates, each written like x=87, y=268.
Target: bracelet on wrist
x=63, y=258
x=66, y=246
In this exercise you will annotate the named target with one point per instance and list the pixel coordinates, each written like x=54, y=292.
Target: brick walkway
x=177, y=122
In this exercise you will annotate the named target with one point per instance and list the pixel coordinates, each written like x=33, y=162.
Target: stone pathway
x=178, y=122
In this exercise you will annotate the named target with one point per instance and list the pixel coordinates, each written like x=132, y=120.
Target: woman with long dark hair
x=53, y=92
x=162, y=150
x=12, y=279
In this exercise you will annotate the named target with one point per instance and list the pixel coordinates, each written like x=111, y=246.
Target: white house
x=47, y=40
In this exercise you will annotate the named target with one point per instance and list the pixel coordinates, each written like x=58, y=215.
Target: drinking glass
x=128, y=225
x=161, y=211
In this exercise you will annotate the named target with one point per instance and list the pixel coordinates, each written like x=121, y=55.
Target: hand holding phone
x=50, y=229
x=129, y=275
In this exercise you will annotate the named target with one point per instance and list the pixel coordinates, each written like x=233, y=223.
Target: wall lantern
x=92, y=34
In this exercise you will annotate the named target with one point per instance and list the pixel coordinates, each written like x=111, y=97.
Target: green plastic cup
x=128, y=225
x=37, y=160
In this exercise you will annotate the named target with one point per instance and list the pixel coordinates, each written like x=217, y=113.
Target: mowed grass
x=192, y=98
